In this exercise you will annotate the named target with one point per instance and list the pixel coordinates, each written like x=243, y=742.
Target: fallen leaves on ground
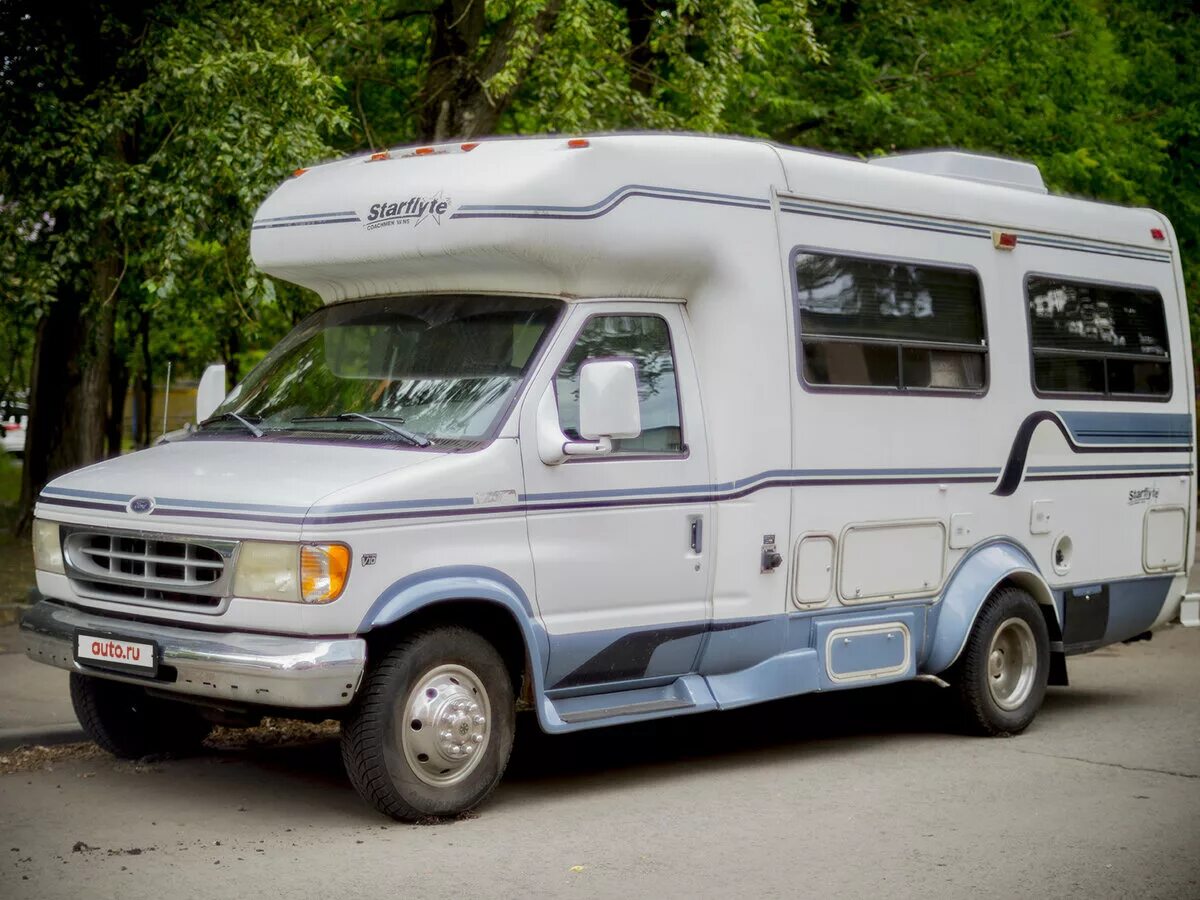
x=270, y=733
x=27, y=759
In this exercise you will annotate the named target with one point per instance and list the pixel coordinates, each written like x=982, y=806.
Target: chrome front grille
x=152, y=569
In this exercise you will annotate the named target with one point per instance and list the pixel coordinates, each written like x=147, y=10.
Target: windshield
x=441, y=368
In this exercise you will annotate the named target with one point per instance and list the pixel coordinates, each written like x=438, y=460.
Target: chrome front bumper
x=275, y=670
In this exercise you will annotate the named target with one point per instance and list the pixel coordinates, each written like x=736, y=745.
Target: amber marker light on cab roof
x=423, y=151
x=298, y=173
x=578, y=143
x=1004, y=240
x=382, y=154
x=469, y=146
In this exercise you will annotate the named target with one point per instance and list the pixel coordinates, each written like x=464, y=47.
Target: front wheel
x=431, y=732
x=123, y=720
x=1002, y=674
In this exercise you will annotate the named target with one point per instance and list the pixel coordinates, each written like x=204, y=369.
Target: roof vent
x=1010, y=173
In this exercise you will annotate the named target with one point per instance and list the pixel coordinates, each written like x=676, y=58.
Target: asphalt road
x=856, y=794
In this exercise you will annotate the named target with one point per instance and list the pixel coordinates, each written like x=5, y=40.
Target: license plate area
x=120, y=654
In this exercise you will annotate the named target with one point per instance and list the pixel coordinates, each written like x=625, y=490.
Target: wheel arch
x=978, y=575
x=478, y=597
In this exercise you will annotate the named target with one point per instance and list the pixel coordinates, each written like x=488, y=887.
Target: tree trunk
x=233, y=346
x=143, y=439
x=69, y=393
x=455, y=102
x=118, y=386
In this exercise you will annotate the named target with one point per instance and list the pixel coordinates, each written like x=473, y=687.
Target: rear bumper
x=1189, y=610
x=274, y=670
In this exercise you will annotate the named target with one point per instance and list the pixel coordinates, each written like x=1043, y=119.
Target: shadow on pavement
x=610, y=759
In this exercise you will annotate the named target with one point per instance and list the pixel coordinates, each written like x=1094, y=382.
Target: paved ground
x=849, y=795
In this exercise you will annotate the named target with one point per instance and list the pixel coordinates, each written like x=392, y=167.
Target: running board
x=686, y=694
x=629, y=709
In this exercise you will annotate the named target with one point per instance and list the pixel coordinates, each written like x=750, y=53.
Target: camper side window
x=1098, y=339
x=647, y=341
x=877, y=323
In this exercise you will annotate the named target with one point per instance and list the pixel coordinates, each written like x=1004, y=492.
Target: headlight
x=268, y=571
x=311, y=573
x=323, y=570
x=47, y=547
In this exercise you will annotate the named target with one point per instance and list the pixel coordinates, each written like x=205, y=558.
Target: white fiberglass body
x=794, y=521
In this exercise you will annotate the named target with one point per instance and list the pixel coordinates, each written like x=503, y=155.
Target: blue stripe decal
x=878, y=218
x=1128, y=427
x=92, y=495
x=1086, y=432
x=854, y=214
x=606, y=205
x=1087, y=247
x=322, y=215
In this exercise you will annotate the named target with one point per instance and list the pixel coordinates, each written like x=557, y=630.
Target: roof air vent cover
x=1010, y=173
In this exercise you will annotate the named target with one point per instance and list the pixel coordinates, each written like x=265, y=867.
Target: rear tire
x=432, y=729
x=1001, y=676
x=123, y=720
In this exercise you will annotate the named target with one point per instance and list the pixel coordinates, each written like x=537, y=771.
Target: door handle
x=697, y=533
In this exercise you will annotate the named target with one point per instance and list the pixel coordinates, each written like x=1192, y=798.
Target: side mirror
x=608, y=409
x=608, y=400
x=210, y=393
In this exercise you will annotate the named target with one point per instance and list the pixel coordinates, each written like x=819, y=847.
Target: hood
x=263, y=481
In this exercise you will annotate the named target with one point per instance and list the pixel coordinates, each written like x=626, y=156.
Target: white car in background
x=14, y=420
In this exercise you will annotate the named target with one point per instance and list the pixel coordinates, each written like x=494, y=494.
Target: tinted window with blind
x=893, y=325
x=1098, y=339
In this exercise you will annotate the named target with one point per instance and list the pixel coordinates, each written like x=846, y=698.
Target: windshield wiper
x=388, y=422
x=247, y=423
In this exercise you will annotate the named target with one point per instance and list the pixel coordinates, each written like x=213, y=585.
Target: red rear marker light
x=298, y=173
x=1157, y=234
x=1004, y=240
x=468, y=147
x=382, y=154
x=578, y=143
x=422, y=151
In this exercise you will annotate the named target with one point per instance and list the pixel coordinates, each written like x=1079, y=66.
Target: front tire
x=432, y=730
x=1002, y=674
x=124, y=721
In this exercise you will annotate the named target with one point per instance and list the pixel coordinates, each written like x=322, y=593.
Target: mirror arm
x=598, y=447
x=554, y=447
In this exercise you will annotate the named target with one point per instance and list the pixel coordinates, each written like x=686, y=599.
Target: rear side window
x=902, y=326
x=1098, y=339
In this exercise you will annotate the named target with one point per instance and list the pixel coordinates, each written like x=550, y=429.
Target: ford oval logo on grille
x=141, y=505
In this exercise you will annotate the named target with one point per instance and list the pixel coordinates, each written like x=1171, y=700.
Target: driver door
x=620, y=544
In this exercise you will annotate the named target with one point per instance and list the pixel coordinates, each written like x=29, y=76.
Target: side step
x=629, y=709
x=686, y=694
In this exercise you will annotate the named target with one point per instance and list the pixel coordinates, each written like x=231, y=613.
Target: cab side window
x=646, y=341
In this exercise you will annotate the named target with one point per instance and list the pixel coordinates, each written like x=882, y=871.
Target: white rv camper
x=632, y=426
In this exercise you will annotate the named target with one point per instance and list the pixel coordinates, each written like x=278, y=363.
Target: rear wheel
x=432, y=730
x=1002, y=674
x=123, y=720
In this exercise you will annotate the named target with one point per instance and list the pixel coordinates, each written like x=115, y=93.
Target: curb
x=43, y=735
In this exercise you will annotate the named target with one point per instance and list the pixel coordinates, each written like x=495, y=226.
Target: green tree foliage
x=461, y=68
x=1101, y=94
x=136, y=138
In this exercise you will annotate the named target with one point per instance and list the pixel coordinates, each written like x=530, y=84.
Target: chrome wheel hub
x=1012, y=663
x=445, y=726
